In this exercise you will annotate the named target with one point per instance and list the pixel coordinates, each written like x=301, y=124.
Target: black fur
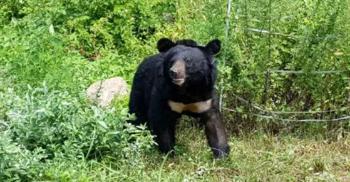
x=152, y=89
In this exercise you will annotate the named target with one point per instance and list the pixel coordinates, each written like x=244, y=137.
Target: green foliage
x=50, y=132
x=10, y=10
x=17, y=163
x=306, y=36
x=56, y=125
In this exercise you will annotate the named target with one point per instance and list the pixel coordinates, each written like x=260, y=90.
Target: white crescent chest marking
x=197, y=107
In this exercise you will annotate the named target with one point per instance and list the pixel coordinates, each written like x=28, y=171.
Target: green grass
x=254, y=157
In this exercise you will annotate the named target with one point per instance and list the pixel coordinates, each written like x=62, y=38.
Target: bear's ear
x=164, y=44
x=214, y=46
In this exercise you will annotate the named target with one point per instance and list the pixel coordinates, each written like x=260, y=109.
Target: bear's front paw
x=221, y=152
x=167, y=150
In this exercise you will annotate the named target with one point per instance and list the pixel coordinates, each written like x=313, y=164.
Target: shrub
x=16, y=162
x=59, y=126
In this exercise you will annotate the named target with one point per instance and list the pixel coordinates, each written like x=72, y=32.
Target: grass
x=254, y=157
x=259, y=157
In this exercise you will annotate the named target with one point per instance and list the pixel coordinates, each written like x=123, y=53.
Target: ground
x=254, y=157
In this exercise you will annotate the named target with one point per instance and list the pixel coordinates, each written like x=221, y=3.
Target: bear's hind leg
x=137, y=105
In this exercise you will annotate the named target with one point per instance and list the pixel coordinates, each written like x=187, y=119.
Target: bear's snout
x=177, y=72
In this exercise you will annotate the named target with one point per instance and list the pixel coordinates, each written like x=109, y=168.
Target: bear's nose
x=173, y=73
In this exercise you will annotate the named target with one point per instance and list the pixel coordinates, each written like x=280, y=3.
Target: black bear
x=179, y=80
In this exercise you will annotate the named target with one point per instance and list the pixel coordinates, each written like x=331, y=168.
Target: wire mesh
x=339, y=114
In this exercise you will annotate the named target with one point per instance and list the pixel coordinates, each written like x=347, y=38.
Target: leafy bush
x=56, y=125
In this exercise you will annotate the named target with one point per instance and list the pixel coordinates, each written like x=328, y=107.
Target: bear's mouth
x=178, y=81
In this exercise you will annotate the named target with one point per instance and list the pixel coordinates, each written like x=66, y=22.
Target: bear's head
x=187, y=64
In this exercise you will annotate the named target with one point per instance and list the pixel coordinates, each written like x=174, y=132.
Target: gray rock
x=103, y=92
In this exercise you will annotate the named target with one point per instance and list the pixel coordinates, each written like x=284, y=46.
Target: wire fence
x=259, y=111
x=276, y=115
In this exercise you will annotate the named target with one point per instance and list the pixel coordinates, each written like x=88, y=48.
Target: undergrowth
x=51, y=51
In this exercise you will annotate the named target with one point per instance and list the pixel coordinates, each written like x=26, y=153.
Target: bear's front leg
x=163, y=124
x=215, y=132
x=165, y=138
